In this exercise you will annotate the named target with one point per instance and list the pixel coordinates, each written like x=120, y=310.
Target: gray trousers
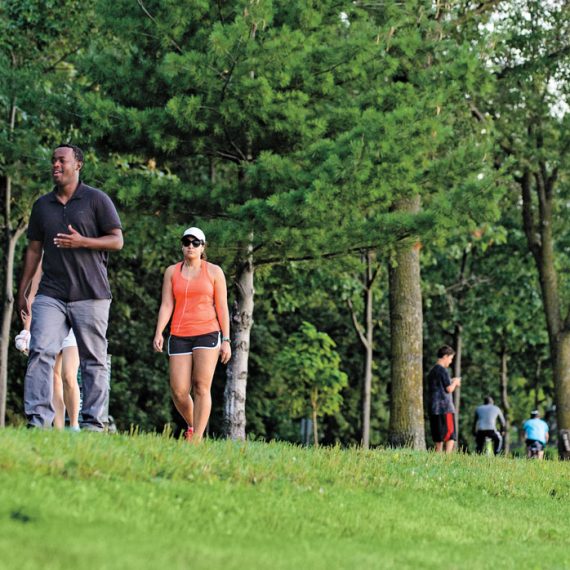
x=51, y=321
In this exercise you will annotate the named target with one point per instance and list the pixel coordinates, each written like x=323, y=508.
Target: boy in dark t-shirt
x=441, y=408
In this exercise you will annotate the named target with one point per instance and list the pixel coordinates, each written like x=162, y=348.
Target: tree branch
x=541, y=191
x=551, y=180
x=476, y=113
x=357, y=325
x=528, y=215
x=374, y=275
x=155, y=22
x=312, y=257
x=466, y=283
x=53, y=65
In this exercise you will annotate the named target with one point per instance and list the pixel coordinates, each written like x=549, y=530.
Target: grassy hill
x=72, y=501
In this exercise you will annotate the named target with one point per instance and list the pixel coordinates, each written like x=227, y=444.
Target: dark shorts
x=482, y=435
x=535, y=444
x=442, y=427
x=187, y=344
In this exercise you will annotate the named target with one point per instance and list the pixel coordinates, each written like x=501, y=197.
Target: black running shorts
x=187, y=344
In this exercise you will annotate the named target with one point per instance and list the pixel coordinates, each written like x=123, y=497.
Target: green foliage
x=306, y=127
x=288, y=120
x=530, y=107
x=35, y=83
x=37, y=93
x=310, y=369
x=490, y=288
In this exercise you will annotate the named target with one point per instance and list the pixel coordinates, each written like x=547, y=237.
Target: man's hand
x=72, y=240
x=23, y=307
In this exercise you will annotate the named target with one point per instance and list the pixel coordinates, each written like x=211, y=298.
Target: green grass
x=72, y=501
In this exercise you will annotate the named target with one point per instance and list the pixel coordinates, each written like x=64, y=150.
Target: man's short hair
x=488, y=400
x=534, y=414
x=77, y=152
x=445, y=350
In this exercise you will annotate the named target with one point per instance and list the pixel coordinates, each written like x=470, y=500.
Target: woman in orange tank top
x=195, y=291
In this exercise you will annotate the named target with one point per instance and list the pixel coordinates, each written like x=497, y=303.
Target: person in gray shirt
x=485, y=425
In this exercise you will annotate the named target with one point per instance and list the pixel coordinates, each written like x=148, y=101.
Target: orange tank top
x=194, y=309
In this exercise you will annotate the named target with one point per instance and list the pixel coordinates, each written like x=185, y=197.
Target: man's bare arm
x=113, y=241
x=31, y=266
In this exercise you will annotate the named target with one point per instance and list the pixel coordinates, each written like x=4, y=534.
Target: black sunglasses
x=186, y=241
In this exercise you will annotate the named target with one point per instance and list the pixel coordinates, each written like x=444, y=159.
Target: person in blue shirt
x=536, y=434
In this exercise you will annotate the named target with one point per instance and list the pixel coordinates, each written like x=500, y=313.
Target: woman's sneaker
x=189, y=434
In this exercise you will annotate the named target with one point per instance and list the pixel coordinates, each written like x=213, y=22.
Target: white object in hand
x=22, y=340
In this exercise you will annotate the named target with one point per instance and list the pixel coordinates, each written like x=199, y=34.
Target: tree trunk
x=458, y=341
x=537, y=374
x=562, y=387
x=366, y=339
x=315, y=416
x=7, y=311
x=505, y=400
x=406, y=407
x=537, y=224
x=11, y=238
x=368, y=353
x=241, y=323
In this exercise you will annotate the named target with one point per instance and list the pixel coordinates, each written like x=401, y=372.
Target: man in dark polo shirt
x=442, y=410
x=73, y=227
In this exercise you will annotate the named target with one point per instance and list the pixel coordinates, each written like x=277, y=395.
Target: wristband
x=226, y=339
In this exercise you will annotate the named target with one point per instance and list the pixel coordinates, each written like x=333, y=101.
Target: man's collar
x=77, y=194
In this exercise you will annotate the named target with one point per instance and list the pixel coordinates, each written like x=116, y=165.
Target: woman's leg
x=180, y=385
x=70, y=386
x=59, y=406
x=204, y=366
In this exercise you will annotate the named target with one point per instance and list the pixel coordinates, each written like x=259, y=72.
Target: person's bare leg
x=204, y=366
x=58, y=404
x=449, y=446
x=439, y=446
x=71, y=394
x=180, y=385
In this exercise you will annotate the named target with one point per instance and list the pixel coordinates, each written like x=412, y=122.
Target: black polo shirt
x=74, y=274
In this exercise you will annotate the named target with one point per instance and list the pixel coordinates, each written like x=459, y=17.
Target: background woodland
x=375, y=178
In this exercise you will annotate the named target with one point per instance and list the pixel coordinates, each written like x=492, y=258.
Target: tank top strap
x=176, y=275
x=206, y=271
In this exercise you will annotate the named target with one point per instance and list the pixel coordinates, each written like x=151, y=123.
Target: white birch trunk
x=241, y=323
x=11, y=238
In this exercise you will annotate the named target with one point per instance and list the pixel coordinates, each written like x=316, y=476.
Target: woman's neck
x=192, y=263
